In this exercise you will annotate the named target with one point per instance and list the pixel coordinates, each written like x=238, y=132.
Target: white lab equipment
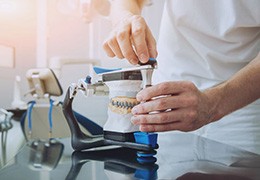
x=5, y=126
x=17, y=102
x=44, y=118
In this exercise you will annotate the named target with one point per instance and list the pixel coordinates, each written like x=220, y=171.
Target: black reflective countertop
x=188, y=157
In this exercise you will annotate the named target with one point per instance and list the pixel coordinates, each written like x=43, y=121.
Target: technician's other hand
x=132, y=39
x=171, y=106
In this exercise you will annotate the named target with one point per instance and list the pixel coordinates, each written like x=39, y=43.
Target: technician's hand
x=132, y=39
x=178, y=106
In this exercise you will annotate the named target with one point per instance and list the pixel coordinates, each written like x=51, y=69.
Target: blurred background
x=40, y=33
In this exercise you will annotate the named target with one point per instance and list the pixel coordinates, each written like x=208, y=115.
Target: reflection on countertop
x=187, y=157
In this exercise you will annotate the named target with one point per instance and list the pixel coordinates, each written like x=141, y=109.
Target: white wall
x=18, y=30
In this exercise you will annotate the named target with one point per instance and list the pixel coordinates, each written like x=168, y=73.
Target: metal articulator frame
x=110, y=157
x=79, y=140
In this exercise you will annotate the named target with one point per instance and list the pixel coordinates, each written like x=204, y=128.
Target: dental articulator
x=121, y=85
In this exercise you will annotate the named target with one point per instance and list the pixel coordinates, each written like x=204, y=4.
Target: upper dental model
x=122, y=104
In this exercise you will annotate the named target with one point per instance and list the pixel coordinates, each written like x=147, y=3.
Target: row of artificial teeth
x=123, y=104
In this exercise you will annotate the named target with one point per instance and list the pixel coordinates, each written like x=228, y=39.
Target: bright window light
x=7, y=6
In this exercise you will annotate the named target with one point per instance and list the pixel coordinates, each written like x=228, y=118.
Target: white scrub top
x=207, y=42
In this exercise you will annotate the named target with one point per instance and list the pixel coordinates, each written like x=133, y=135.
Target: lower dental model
x=122, y=104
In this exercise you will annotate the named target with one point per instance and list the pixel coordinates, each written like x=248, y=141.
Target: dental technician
x=208, y=76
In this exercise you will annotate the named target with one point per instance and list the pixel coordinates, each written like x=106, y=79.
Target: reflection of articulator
x=122, y=85
x=116, y=164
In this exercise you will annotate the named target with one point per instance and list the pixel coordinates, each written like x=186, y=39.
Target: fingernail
x=143, y=58
x=133, y=61
x=139, y=97
x=153, y=54
x=134, y=120
x=134, y=110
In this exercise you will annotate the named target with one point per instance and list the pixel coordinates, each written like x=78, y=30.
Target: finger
x=165, y=103
x=157, y=118
x=165, y=88
x=108, y=50
x=159, y=104
x=151, y=44
x=161, y=127
x=180, y=119
x=123, y=38
x=113, y=45
x=138, y=37
x=182, y=115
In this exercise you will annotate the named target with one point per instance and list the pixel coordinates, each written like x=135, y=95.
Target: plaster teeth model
x=122, y=104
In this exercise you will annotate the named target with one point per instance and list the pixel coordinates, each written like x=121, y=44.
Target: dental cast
x=122, y=105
